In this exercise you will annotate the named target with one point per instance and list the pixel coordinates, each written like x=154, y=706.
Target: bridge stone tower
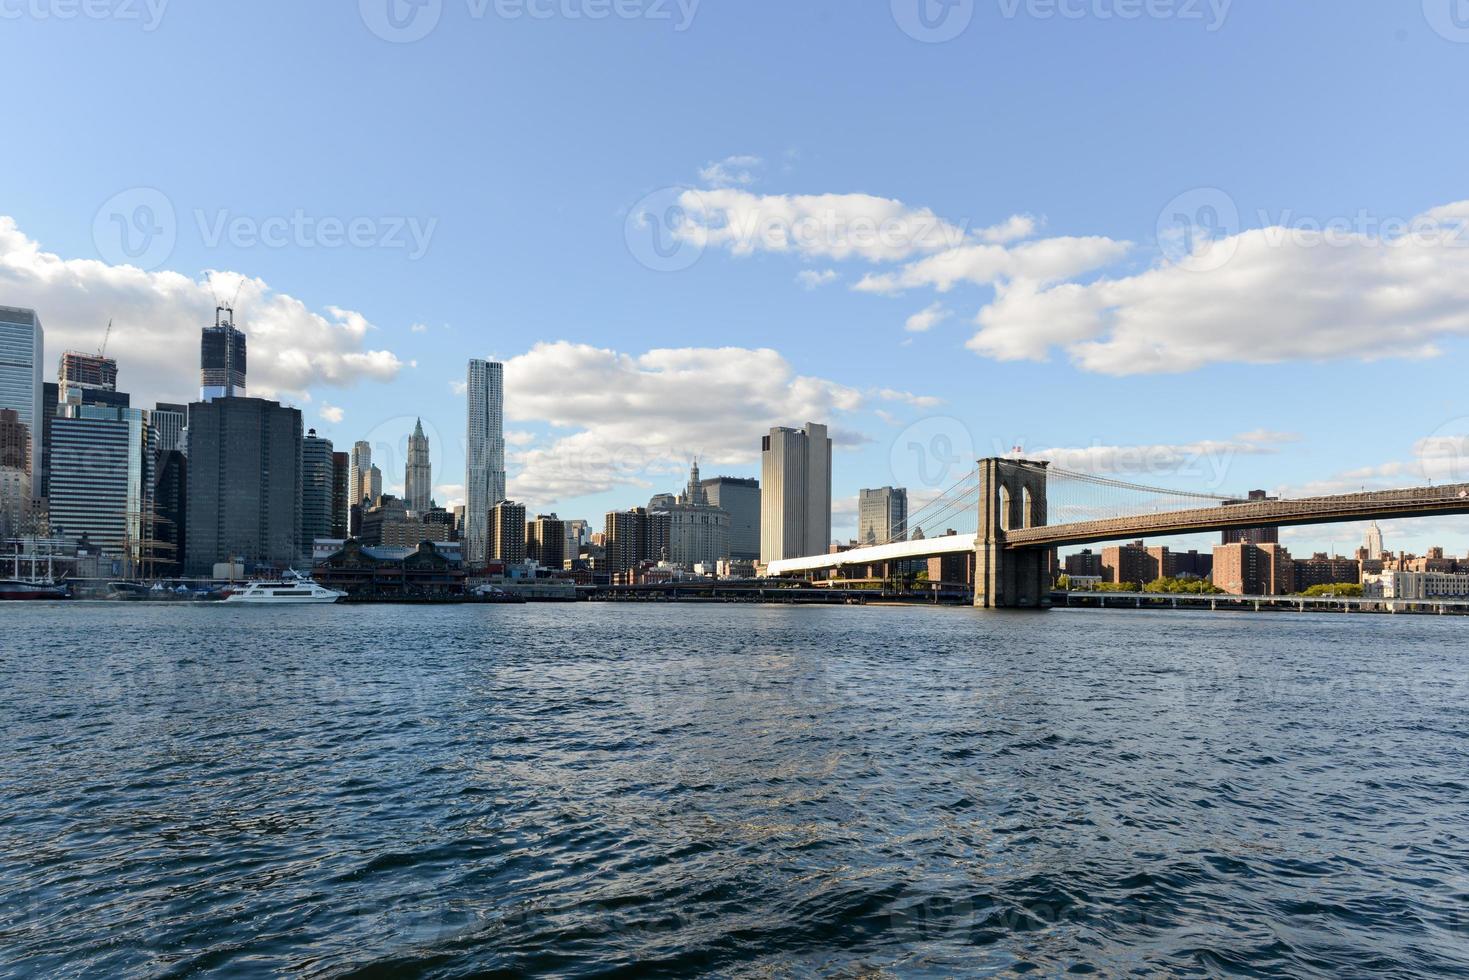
x=1012, y=494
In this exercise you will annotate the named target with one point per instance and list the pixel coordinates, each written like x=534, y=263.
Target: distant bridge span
x=1014, y=546
x=1371, y=506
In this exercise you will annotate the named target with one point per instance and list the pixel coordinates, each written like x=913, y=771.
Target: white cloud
x=925, y=320
x=832, y=226
x=812, y=279
x=458, y=386
x=332, y=414
x=519, y=438
x=1279, y=295
x=1044, y=261
x=419, y=328
x=157, y=317
x=734, y=171
x=637, y=419
x=908, y=398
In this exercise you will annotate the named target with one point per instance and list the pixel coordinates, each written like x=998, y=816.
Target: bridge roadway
x=1372, y=505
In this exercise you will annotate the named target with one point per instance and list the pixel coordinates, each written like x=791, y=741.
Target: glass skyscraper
x=22, y=343
x=222, y=358
x=485, y=469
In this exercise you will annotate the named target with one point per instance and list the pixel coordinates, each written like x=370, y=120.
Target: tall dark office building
x=170, y=508
x=244, y=495
x=222, y=358
x=316, y=490
x=341, y=508
x=741, y=498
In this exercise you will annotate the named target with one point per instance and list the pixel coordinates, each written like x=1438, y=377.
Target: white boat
x=286, y=592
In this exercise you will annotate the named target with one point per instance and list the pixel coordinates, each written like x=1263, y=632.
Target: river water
x=730, y=790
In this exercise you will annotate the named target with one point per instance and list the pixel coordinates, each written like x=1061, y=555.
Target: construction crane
x=102, y=351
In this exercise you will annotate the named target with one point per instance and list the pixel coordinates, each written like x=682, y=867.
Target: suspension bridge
x=1012, y=514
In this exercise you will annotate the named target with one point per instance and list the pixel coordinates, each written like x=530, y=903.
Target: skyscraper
x=170, y=509
x=316, y=491
x=795, y=504
x=222, y=358
x=22, y=346
x=87, y=371
x=740, y=498
x=507, y=532
x=882, y=516
x=359, y=484
x=545, y=541
x=341, y=509
x=15, y=479
x=168, y=423
x=1374, y=542
x=244, y=498
x=418, y=482
x=101, y=477
x=698, y=533
x=485, y=463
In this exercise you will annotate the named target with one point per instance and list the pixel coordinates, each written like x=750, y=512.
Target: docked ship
x=286, y=592
x=15, y=589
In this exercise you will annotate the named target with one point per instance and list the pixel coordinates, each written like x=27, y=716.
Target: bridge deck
x=1375, y=505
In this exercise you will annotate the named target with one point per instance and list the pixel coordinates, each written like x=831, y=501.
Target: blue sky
x=519, y=148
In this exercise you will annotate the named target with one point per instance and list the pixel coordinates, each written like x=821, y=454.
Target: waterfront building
x=15, y=478
x=22, y=347
x=1253, y=569
x=882, y=516
x=1416, y=585
x=1084, y=564
x=1253, y=535
x=341, y=508
x=170, y=512
x=506, y=535
x=222, y=358
x=1321, y=569
x=485, y=457
x=385, y=512
x=545, y=541
x=633, y=537
x=1129, y=563
x=698, y=532
x=169, y=422
x=418, y=483
x=740, y=499
x=244, y=493
x=441, y=524
x=316, y=490
x=100, y=478
x=427, y=571
x=576, y=538
x=795, y=481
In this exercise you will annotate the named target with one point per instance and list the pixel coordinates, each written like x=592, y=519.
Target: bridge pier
x=1012, y=495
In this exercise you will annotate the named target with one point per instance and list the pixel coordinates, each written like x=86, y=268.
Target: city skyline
x=878, y=341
